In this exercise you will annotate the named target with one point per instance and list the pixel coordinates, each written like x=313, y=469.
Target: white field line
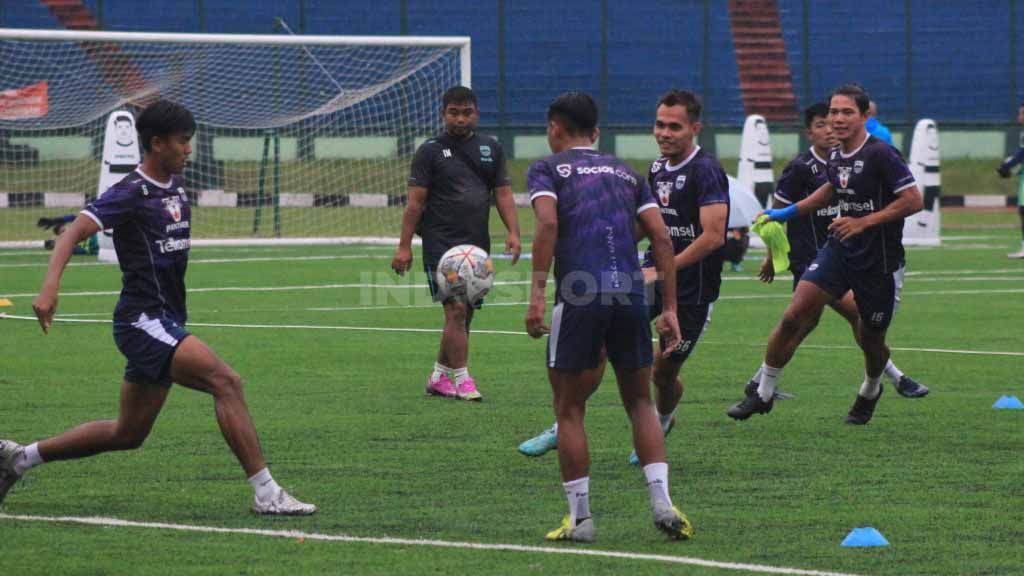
x=220, y=260
x=4, y=316
x=298, y=534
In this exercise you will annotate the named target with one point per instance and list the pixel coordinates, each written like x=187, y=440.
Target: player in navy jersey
x=808, y=234
x=150, y=214
x=1004, y=171
x=864, y=253
x=692, y=191
x=588, y=206
x=452, y=180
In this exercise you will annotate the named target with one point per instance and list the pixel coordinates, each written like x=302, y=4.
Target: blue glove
x=782, y=214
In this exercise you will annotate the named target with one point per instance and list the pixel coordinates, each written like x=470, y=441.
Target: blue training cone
x=864, y=537
x=1009, y=403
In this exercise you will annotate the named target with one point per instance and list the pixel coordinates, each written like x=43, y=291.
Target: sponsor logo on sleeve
x=564, y=170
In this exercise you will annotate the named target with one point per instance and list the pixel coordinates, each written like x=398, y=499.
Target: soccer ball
x=465, y=272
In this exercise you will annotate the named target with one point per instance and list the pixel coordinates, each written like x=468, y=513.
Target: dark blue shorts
x=149, y=345
x=430, y=267
x=578, y=331
x=876, y=294
x=693, y=320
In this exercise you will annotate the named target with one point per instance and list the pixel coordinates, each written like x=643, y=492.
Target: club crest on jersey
x=564, y=170
x=680, y=181
x=485, y=151
x=182, y=195
x=858, y=166
x=664, y=191
x=173, y=207
x=844, y=176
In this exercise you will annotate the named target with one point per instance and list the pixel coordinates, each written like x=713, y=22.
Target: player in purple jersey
x=808, y=234
x=588, y=205
x=692, y=191
x=864, y=253
x=150, y=215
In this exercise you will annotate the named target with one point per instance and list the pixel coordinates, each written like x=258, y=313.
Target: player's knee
x=225, y=382
x=793, y=323
x=130, y=438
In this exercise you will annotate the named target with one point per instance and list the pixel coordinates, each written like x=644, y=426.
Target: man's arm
x=713, y=218
x=45, y=304
x=821, y=198
x=544, y=237
x=416, y=200
x=1009, y=163
x=908, y=201
x=664, y=262
x=507, y=210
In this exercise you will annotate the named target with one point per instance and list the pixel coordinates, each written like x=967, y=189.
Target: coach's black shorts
x=149, y=345
x=430, y=267
x=693, y=321
x=877, y=295
x=578, y=331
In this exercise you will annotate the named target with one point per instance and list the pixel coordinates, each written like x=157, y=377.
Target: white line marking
x=296, y=534
x=4, y=316
x=219, y=260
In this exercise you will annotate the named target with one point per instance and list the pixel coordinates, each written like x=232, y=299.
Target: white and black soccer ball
x=465, y=272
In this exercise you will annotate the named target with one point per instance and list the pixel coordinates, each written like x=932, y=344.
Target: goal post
x=300, y=139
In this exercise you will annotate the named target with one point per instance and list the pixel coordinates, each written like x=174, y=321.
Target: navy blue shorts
x=430, y=267
x=149, y=345
x=877, y=295
x=693, y=321
x=578, y=331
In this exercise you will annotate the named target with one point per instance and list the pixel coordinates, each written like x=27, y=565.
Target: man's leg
x=649, y=442
x=196, y=366
x=455, y=348
x=800, y=317
x=905, y=385
x=571, y=391
x=140, y=405
x=876, y=297
x=547, y=440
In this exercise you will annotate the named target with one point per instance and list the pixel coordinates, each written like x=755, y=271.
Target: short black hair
x=683, y=98
x=816, y=110
x=163, y=118
x=458, y=95
x=575, y=112
x=856, y=92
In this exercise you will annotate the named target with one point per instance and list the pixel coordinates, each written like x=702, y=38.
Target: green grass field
x=340, y=408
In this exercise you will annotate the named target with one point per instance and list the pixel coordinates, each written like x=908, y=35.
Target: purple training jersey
x=866, y=181
x=807, y=234
x=682, y=191
x=151, y=225
x=599, y=198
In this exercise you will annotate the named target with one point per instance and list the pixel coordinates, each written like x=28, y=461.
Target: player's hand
x=1003, y=171
x=767, y=273
x=845, y=227
x=535, y=326
x=650, y=275
x=513, y=247
x=45, y=306
x=402, y=261
x=668, y=328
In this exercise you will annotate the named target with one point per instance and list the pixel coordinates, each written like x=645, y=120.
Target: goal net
x=300, y=139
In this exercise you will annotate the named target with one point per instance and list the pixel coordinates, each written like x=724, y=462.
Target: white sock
x=554, y=428
x=666, y=420
x=577, y=492
x=893, y=372
x=657, y=482
x=757, y=375
x=263, y=483
x=460, y=375
x=871, y=387
x=769, y=374
x=30, y=458
x=439, y=370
